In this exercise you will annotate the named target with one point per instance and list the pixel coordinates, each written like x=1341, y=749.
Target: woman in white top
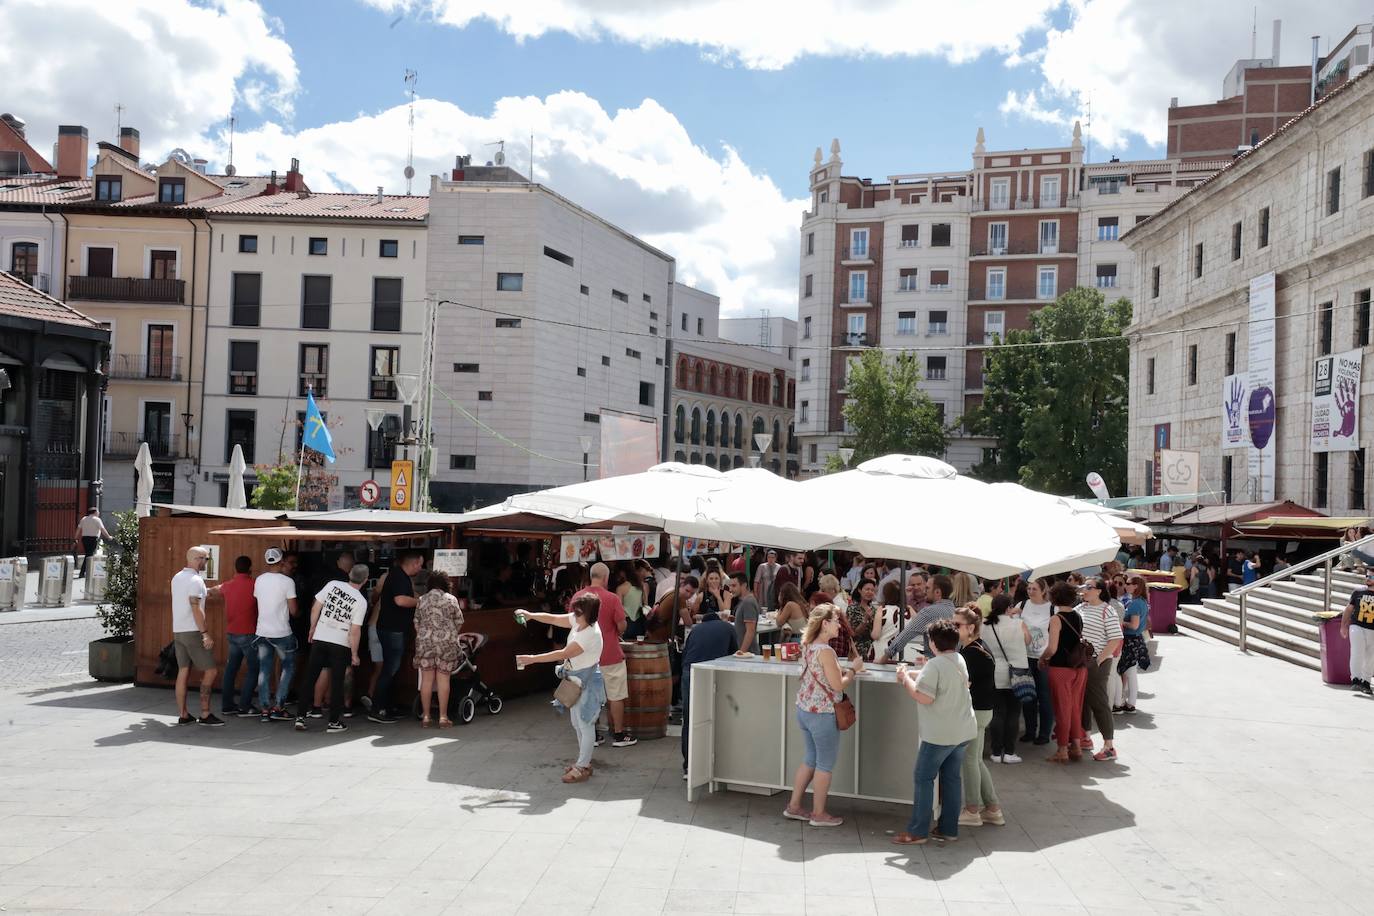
x=580, y=658
x=1035, y=614
x=1007, y=638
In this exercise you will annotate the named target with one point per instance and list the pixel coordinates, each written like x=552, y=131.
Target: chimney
x=1316, y=39
x=294, y=181
x=199, y=165
x=459, y=164
x=1278, y=27
x=73, y=146
x=380, y=198
x=271, y=184
x=1173, y=102
x=128, y=140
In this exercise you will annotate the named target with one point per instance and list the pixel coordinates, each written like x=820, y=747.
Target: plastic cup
x=519, y=667
x=520, y=618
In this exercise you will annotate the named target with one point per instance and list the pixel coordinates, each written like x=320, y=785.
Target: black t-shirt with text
x=391, y=616
x=1363, y=601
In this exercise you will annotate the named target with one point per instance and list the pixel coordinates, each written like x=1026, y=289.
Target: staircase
x=1280, y=622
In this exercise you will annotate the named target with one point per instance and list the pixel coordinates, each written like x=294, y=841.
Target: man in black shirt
x=395, y=619
x=1357, y=625
x=710, y=639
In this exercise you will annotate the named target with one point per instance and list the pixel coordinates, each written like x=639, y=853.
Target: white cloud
x=731, y=229
x=763, y=34
x=176, y=67
x=1028, y=105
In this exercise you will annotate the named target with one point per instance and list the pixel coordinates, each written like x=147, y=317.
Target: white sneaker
x=996, y=758
x=969, y=818
x=1011, y=758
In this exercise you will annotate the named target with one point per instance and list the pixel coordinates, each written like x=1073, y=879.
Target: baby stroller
x=466, y=688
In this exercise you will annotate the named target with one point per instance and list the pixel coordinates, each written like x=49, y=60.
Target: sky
x=691, y=123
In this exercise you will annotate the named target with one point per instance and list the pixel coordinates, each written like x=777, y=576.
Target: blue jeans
x=393, y=650
x=1040, y=714
x=820, y=739
x=284, y=647
x=240, y=650
x=945, y=761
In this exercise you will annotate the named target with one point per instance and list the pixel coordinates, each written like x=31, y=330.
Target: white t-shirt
x=186, y=585
x=272, y=589
x=91, y=526
x=1037, y=619
x=343, y=607
x=589, y=638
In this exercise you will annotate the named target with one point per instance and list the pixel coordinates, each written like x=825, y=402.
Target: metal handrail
x=1324, y=559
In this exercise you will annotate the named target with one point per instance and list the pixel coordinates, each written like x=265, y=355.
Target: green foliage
x=888, y=411
x=116, y=611
x=276, y=487
x=1059, y=412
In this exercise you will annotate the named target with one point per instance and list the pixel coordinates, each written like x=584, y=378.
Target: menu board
x=451, y=562
x=587, y=548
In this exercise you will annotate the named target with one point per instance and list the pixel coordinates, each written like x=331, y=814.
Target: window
x=684, y=321
x=906, y=323
x=937, y=280
x=386, y=303
x=591, y=418
x=510, y=283
x=558, y=256
x=911, y=235
x=162, y=265
x=653, y=329
x=858, y=286
x=1226, y=466
x=858, y=327
x=632, y=354
x=1263, y=228
x=653, y=316
x=997, y=238
x=907, y=280
x=807, y=286
x=1047, y=281
x=508, y=322
x=823, y=197
x=810, y=243
x=1154, y=282
x=581, y=371
x=472, y=240
x=997, y=283
x=994, y=326
x=99, y=262
x=1000, y=192
x=806, y=370
x=1321, y=479
x=940, y=235
x=812, y=453
x=1324, y=316
x=1362, y=318
x=462, y=462
x=1235, y=240
x=1049, y=236
x=935, y=368
x=243, y=367
x=109, y=189
x=940, y=413
x=171, y=191
x=1150, y=375
x=1356, y=479
x=1106, y=276
x=806, y=328
x=388, y=248
x=484, y=395
x=1333, y=191
x=386, y=362
x=617, y=294
x=1108, y=228
x=646, y=298
x=1197, y=260
x=241, y=429
x=159, y=354
x=1231, y=353
x=248, y=244
x=316, y=296
x=245, y=300
x=646, y=394
x=585, y=290
x=319, y=246
x=805, y=411
x=381, y=442
x=314, y=369
x=938, y=323
x=1192, y=364
x=858, y=243
x=1049, y=190
x=1368, y=173
x=24, y=260
x=466, y=367
x=701, y=326
x=605, y=360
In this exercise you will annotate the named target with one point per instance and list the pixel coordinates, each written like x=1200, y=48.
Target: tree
x=1055, y=396
x=888, y=410
x=276, y=486
x=117, y=609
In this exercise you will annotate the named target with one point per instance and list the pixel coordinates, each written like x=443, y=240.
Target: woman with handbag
x=822, y=687
x=1035, y=614
x=1068, y=672
x=581, y=692
x=1012, y=678
x=981, y=805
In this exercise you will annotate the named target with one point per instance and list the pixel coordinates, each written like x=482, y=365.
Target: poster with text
x=1178, y=474
x=1261, y=402
x=1336, y=402
x=1233, y=431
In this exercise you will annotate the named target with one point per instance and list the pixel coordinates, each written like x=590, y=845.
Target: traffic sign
x=369, y=492
x=402, y=481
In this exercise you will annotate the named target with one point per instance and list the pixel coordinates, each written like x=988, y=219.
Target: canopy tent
x=1336, y=524
x=1229, y=522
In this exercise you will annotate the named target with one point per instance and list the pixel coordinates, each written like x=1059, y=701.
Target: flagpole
x=300, y=463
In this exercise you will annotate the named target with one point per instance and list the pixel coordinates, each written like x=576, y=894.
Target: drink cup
x=767, y=652
x=520, y=618
x=639, y=639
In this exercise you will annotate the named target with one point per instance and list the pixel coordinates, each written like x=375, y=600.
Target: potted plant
x=112, y=656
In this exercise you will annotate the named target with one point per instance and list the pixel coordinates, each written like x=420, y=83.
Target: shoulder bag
x=1081, y=655
x=845, y=715
x=1022, y=681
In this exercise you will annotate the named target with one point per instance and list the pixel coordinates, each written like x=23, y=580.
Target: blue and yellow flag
x=316, y=434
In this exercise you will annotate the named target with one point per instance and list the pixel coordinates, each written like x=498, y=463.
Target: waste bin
x=97, y=574
x=1163, y=601
x=55, y=582
x=11, y=587
x=1335, y=649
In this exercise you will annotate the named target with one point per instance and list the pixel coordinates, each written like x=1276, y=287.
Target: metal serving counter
x=744, y=736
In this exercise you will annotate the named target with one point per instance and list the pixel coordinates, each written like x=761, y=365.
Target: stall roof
x=291, y=532
x=377, y=516
x=1287, y=521
x=221, y=512
x=1236, y=513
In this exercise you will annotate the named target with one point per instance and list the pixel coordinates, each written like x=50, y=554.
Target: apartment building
x=317, y=292
x=1299, y=208
x=549, y=319
x=733, y=383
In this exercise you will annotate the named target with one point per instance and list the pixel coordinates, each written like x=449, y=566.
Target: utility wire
x=498, y=435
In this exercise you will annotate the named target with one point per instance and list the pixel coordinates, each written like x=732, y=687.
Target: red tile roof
x=346, y=206
x=44, y=189
x=19, y=300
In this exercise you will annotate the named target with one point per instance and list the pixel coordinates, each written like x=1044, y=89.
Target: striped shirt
x=942, y=609
x=1100, y=625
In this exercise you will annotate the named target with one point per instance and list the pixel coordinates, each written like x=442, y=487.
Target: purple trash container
x=1335, y=651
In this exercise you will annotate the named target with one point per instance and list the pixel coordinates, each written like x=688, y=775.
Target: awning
x=1324, y=524
x=291, y=532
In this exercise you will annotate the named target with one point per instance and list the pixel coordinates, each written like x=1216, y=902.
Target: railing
x=36, y=280
x=1106, y=282
x=1324, y=560
x=145, y=366
x=125, y=445
x=855, y=339
x=909, y=243
x=1063, y=246
x=908, y=285
x=857, y=253
x=126, y=289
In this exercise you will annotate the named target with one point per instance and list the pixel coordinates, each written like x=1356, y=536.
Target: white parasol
x=236, y=499
x=143, y=496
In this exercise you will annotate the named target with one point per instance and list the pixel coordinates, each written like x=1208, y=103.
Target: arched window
x=739, y=432
x=739, y=461
x=759, y=428
x=696, y=377
x=777, y=436
x=710, y=459
x=682, y=372
x=791, y=439
x=679, y=423
x=710, y=427
x=696, y=426
x=712, y=381
x=680, y=457
x=695, y=459
x=724, y=429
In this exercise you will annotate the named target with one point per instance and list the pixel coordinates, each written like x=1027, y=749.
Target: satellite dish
x=500, y=157
x=230, y=170
x=409, y=172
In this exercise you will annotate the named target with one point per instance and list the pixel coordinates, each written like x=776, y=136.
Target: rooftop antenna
x=1254, y=35
x=500, y=153
x=410, y=80
x=1088, y=133
x=765, y=328
x=229, y=169
x=119, y=120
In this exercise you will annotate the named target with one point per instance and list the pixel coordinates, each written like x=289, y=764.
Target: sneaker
x=316, y=712
x=348, y=712
x=300, y=723
x=797, y=815
x=211, y=720
x=825, y=820
x=993, y=818
x=334, y=727
x=227, y=711
x=279, y=714
x=1105, y=755
x=265, y=716
x=380, y=715
x=186, y=719
x=1366, y=689
x=969, y=818
x=367, y=702
x=935, y=834
x=1086, y=744
x=600, y=739
x=1042, y=741
x=1011, y=758
x=996, y=758
x=684, y=777
x=1118, y=709
x=624, y=739
x=248, y=712
x=1128, y=710
x=1027, y=737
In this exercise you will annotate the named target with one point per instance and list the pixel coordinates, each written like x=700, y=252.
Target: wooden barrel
x=651, y=688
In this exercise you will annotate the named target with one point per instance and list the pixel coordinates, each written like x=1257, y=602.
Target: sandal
x=1059, y=756
x=577, y=774
x=426, y=723
x=907, y=839
x=445, y=722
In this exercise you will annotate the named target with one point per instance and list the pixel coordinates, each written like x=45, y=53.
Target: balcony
x=125, y=445
x=1014, y=292
x=37, y=281
x=855, y=340
x=908, y=285
x=1065, y=246
x=126, y=289
x=145, y=366
x=1106, y=282
x=909, y=243
x=859, y=254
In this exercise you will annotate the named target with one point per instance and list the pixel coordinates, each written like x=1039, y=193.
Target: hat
x=273, y=556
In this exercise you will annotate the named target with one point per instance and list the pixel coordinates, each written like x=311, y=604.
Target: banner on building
x=1336, y=402
x=629, y=443
x=1233, y=423
x=1261, y=402
x=1178, y=475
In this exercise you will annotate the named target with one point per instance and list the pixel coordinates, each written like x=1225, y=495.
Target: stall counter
x=743, y=732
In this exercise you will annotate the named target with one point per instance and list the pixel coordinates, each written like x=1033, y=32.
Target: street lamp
x=846, y=455
x=586, y=443
x=375, y=416
x=761, y=441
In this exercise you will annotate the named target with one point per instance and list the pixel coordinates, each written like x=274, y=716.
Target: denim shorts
x=821, y=739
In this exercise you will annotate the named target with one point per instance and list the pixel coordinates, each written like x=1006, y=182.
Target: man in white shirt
x=276, y=594
x=336, y=625
x=90, y=531
x=856, y=570
x=764, y=577
x=191, y=636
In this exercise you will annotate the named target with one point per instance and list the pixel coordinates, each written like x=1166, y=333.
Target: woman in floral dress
x=438, y=618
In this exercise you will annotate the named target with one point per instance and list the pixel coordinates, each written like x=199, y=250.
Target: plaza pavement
x=1243, y=788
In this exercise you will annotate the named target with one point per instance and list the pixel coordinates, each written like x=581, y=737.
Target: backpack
x=167, y=666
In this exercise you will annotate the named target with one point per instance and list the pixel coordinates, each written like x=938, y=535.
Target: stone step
x=1302, y=594
x=1261, y=627
x=1196, y=627
x=1279, y=615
